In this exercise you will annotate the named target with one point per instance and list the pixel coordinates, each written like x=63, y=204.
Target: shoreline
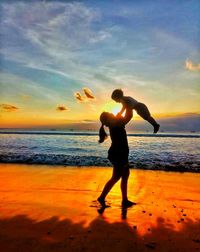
x=146, y=167
x=48, y=209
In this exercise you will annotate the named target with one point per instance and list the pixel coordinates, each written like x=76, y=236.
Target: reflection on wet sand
x=55, y=209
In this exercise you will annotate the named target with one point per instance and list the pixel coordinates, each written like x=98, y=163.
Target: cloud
x=52, y=29
x=25, y=97
x=79, y=97
x=60, y=39
x=52, y=36
x=8, y=107
x=88, y=121
x=27, y=86
x=88, y=93
x=191, y=66
x=102, y=35
x=61, y=108
x=86, y=97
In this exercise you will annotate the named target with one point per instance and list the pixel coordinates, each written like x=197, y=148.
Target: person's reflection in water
x=124, y=213
x=117, y=154
x=102, y=209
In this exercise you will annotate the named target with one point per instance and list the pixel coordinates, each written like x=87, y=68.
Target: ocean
x=170, y=152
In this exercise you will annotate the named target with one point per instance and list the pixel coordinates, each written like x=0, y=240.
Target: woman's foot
x=127, y=203
x=156, y=128
x=102, y=201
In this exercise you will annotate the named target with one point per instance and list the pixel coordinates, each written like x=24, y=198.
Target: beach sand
x=54, y=208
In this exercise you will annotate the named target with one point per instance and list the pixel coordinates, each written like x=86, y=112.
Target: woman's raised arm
x=122, y=121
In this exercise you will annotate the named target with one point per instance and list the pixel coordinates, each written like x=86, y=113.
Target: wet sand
x=54, y=208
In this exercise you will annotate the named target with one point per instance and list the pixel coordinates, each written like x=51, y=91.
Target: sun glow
x=112, y=107
x=115, y=108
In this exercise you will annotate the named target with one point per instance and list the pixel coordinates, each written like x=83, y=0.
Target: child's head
x=117, y=95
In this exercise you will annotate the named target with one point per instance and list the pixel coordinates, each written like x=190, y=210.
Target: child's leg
x=143, y=111
x=152, y=121
x=108, y=186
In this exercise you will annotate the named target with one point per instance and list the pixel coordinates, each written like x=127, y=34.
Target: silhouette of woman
x=117, y=154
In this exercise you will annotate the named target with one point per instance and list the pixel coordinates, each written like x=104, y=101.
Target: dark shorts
x=142, y=110
x=118, y=157
x=121, y=170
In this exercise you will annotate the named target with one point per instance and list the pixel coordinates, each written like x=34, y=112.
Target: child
x=140, y=108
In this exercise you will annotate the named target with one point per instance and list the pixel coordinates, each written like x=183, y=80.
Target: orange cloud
x=88, y=93
x=8, y=107
x=86, y=97
x=25, y=96
x=79, y=97
x=61, y=108
x=191, y=66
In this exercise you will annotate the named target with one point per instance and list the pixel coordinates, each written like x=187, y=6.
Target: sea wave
x=70, y=160
x=173, y=152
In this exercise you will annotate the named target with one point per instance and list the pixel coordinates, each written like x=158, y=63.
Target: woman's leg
x=108, y=186
x=124, y=182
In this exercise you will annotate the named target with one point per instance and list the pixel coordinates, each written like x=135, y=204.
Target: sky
x=61, y=60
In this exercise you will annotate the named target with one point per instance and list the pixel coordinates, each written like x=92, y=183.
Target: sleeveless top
x=119, y=150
